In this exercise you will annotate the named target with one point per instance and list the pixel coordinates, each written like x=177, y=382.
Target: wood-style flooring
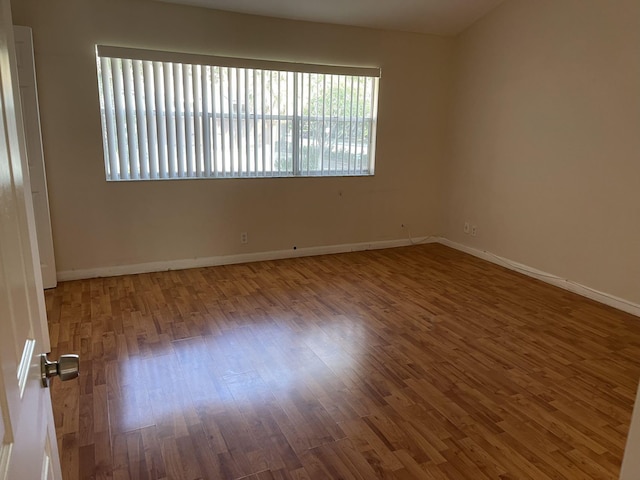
x=409, y=363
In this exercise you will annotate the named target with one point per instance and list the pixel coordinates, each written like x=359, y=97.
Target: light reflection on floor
x=254, y=365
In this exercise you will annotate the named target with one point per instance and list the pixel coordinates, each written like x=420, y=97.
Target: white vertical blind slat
x=301, y=150
x=247, y=124
x=222, y=124
x=316, y=167
x=279, y=122
x=308, y=123
x=373, y=122
x=170, y=109
x=141, y=118
x=262, y=124
x=295, y=160
x=239, y=121
x=254, y=89
x=121, y=120
x=161, y=124
x=150, y=111
x=289, y=123
x=344, y=124
x=109, y=119
x=355, y=152
x=231, y=142
x=238, y=112
x=181, y=150
x=271, y=149
x=206, y=121
x=273, y=80
x=214, y=123
x=130, y=115
x=322, y=141
x=350, y=127
x=196, y=75
x=330, y=122
x=299, y=123
x=187, y=92
x=225, y=122
x=287, y=104
x=363, y=168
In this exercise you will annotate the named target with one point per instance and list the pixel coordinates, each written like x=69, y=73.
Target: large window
x=168, y=115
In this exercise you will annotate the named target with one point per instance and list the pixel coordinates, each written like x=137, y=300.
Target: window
x=171, y=115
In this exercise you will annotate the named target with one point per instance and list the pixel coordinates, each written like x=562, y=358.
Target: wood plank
x=417, y=362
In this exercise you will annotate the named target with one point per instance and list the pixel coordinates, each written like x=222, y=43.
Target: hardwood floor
x=418, y=362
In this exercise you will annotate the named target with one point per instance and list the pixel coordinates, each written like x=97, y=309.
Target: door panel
x=27, y=450
x=35, y=155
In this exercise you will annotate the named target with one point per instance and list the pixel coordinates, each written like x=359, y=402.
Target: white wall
x=98, y=224
x=545, y=139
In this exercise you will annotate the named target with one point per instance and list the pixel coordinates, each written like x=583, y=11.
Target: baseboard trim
x=183, y=264
x=564, y=283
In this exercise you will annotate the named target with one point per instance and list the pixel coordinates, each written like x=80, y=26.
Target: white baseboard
x=566, y=284
x=115, y=271
x=605, y=298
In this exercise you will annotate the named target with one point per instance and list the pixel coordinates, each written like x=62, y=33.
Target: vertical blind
x=168, y=116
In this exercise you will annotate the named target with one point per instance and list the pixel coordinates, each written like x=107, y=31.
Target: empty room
x=278, y=239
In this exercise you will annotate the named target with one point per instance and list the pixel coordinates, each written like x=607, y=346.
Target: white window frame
x=218, y=117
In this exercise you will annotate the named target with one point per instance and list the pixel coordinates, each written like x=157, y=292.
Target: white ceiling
x=441, y=17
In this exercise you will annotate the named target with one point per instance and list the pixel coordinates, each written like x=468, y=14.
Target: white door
x=28, y=450
x=35, y=155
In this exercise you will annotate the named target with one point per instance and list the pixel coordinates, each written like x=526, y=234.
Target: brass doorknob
x=67, y=367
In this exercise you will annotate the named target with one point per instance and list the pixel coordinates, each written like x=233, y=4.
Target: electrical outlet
x=474, y=230
x=466, y=227
x=244, y=238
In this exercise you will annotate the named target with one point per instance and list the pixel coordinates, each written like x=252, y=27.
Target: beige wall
x=545, y=139
x=99, y=224
x=542, y=150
